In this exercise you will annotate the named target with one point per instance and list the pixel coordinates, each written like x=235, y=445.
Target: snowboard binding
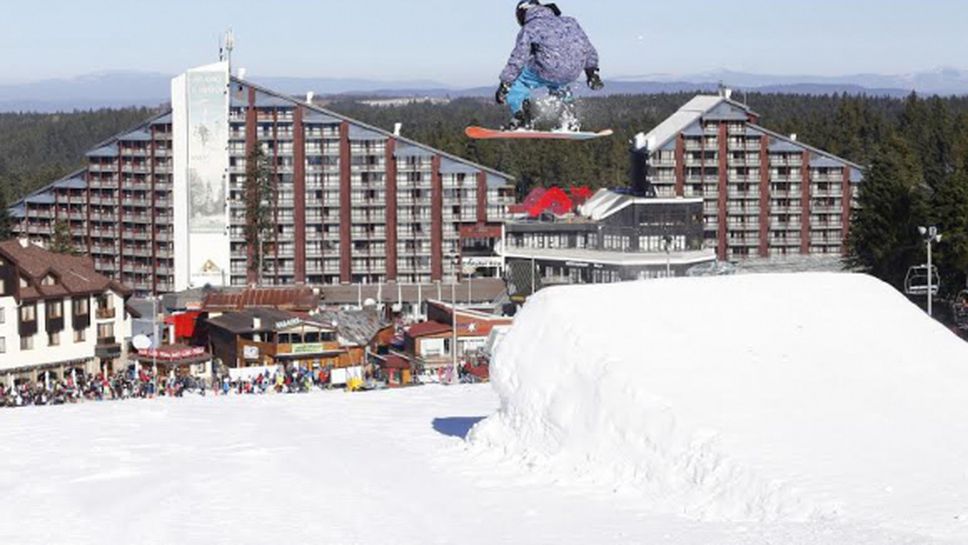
x=522, y=120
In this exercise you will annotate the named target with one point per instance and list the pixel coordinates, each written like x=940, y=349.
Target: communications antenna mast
x=226, y=48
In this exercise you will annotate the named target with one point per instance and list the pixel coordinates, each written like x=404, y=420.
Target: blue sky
x=464, y=42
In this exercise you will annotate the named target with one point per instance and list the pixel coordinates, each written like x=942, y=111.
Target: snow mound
x=762, y=398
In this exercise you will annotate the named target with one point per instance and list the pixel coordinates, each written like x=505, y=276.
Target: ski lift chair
x=959, y=310
x=916, y=281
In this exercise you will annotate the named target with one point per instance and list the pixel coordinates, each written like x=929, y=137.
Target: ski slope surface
x=749, y=399
x=757, y=410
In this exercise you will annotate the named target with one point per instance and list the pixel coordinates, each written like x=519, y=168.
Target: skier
x=551, y=51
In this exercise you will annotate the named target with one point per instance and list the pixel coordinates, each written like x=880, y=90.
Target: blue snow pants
x=527, y=82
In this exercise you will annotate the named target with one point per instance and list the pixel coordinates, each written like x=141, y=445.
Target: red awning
x=184, y=324
x=553, y=200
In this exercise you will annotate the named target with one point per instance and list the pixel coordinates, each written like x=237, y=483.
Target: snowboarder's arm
x=519, y=57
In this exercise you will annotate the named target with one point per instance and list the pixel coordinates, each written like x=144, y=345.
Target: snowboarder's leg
x=565, y=101
x=519, y=100
x=521, y=89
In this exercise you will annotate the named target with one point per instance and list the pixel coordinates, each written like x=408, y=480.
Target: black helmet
x=525, y=5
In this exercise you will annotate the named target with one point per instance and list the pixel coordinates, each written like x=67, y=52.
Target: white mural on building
x=200, y=110
x=208, y=137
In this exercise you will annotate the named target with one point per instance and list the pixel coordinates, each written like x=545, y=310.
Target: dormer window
x=49, y=280
x=24, y=283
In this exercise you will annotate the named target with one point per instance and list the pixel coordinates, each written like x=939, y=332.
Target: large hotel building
x=161, y=208
x=765, y=195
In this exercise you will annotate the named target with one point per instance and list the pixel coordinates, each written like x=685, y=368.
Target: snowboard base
x=482, y=133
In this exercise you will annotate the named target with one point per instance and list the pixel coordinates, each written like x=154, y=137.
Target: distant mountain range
x=116, y=89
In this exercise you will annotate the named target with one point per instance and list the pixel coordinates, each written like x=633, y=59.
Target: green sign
x=308, y=348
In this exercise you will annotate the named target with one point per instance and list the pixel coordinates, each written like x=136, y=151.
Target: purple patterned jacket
x=554, y=47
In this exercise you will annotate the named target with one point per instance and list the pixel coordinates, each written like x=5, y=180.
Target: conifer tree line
x=36, y=149
x=914, y=150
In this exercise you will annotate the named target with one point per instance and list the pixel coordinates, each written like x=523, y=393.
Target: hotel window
x=3, y=345
x=27, y=343
x=105, y=331
x=80, y=335
x=53, y=339
x=3, y=315
x=55, y=309
x=81, y=307
x=28, y=313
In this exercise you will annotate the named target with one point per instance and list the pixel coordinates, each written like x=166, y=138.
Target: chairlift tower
x=931, y=236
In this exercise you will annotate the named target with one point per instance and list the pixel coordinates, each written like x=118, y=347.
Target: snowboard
x=481, y=133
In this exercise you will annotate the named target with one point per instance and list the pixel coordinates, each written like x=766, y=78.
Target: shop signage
x=310, y=348
x=172, y=355
x=288, y=323
x=250, y=352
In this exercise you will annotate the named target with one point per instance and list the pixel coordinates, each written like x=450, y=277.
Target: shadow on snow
x=458, y=426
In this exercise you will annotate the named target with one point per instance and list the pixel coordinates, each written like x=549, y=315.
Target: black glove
x=595, y=82
x=501, y=96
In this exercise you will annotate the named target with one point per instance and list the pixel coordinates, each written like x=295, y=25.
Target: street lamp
x=667, y=242
x=455, y=259
x=931, y=236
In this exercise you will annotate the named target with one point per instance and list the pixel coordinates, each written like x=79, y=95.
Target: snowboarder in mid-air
x=551, y=52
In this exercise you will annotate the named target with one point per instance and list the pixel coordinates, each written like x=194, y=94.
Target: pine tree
x=950, y=212
x=258, y=205
x=884, y=239
x=6, y=222
x=62, y=242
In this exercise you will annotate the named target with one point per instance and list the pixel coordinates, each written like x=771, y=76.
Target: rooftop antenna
x=228, y=45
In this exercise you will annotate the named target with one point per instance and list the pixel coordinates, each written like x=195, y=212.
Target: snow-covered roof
x=681, y=120
x=685, y=119
x=606, y=202
x=597, y=207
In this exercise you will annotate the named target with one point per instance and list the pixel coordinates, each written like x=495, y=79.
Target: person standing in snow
x=551, y=52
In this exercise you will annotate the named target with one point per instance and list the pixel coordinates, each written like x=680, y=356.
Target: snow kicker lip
x=740, y=410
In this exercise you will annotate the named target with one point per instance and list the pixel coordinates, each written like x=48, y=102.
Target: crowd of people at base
x=126, y=385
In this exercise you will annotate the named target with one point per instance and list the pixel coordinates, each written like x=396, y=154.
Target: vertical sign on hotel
x=200, y=108
x=207, y=141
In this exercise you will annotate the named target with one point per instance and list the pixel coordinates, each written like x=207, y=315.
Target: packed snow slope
x=748, y=398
